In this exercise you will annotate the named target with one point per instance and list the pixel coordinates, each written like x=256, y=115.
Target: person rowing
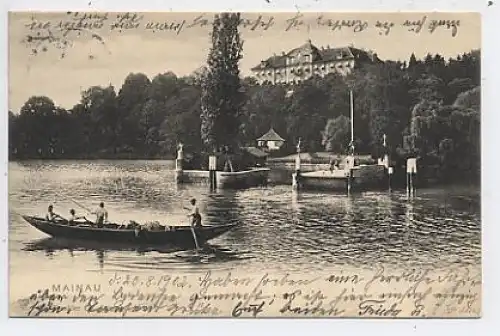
x=194, y=214
x=101, y=215
x=51, y=215
x=73, y=217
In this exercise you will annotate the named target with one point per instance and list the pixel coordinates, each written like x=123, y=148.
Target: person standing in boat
x=51, y=215
x=101, y=215
x=195, y=214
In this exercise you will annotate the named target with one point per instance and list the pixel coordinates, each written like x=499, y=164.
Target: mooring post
x=296, y=175
x=390, y=171
x=411, y=172
x=349, y=181
x=349, y=165
x=212, y=171
x=178, y=164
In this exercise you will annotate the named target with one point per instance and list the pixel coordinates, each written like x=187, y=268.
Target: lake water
x=278, y=228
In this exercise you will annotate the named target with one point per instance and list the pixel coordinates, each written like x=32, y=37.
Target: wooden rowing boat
x=111, y=232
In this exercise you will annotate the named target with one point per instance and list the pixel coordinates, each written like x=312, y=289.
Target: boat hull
x=363, y=178
x=181, y=235
x=226, y=180
x=242, y=179
x=319, y=183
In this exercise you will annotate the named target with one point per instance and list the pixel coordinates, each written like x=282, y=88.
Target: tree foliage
x=222, y=98
x=336, y=135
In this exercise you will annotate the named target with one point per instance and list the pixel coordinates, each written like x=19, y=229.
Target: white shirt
x=195, y=210
x=101, y=212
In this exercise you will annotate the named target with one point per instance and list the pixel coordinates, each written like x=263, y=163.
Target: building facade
x=306, y=61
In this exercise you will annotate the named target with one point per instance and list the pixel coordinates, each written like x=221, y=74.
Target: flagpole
x=352, y=121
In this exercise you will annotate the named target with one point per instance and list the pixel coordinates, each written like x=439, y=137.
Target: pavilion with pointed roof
x=271, y=140
x=302, y=63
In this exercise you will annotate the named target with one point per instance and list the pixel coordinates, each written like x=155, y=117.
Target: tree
x=336, y=135
x=181, y=122
x=469, y=99
x=313, y=102
x=382, y=105
x=222, y=96
x=37, y=127
x=263, y=109
x=14, y=133
x=130, y=103
x=413, y=61
x=101, y=104
x=427, y=87
x=455, y=87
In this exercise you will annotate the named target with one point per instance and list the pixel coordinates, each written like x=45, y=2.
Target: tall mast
x=352, y=121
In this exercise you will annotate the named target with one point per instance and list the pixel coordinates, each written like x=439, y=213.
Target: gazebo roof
x=271, y=135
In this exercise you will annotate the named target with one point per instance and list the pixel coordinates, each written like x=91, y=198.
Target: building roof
x=271, y=135
x=318, y=55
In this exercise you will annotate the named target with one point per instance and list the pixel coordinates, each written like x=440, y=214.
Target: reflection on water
x=278, y=228
x=51, y=246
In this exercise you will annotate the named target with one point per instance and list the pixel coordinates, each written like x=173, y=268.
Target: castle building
x=306, y=61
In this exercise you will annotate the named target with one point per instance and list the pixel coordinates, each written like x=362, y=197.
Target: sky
x=45, y=59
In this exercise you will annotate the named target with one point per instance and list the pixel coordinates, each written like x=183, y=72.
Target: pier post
x=411, y=173
x=178, y=164
x=349, y=181
x=390, y=171
x=349, y=165
x=296, y=175
x=212, y=171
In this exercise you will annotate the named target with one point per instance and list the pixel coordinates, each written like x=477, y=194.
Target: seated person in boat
x=101, y=215
x=195, y=214
x=51, y=215
x=73, y=217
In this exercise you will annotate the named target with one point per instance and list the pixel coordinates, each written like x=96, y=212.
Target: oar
x=193, y=232
x=195, y=239
x=80, y=205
